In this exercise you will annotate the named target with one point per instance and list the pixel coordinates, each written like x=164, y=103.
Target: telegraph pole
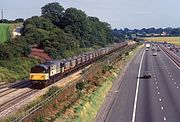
x=2, y=14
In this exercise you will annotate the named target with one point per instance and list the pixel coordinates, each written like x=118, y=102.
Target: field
x=173, y=40
x=4, y=32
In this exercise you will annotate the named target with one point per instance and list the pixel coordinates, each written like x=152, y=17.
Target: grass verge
x=4, y=32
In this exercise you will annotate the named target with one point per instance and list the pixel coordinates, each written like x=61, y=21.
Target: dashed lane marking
x=160, y=99
x=162, y=107
x=164, y=118
x=158, y=92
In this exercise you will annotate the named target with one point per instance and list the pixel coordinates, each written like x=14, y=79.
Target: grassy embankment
x=88, y=106
x=4, y=32
x=15, y=69
x=172, y=40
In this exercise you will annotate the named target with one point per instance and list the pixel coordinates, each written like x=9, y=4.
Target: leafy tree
x=19, y=20
x=53, y=11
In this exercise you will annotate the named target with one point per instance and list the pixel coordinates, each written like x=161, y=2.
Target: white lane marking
x=157, y=87
x=137, y=89
x=164, y=118
x=156, y=82
x=172, y=79
x=174, y=82
x=162, y=108
x=155, y=79
x=171, y=60
x=160, y=99
x=177, y=87
x=170, y=75
x=158, y=92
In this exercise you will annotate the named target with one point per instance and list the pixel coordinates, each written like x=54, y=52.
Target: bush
x=51, y=91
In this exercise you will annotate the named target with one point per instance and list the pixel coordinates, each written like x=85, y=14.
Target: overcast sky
x=118, y=13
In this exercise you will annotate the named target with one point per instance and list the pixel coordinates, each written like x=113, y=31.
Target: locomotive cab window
x=38, y=69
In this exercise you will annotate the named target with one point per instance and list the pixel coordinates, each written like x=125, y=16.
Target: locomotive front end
x=38, y=76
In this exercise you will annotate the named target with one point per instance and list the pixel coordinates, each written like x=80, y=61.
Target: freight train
x=44, y=74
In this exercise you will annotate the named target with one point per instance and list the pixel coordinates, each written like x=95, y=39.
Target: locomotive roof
x=49, y=63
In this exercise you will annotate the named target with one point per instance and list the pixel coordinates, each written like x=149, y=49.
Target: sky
x=118, y=13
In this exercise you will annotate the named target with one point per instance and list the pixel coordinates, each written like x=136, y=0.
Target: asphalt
x=121, y=110
x=158, y=97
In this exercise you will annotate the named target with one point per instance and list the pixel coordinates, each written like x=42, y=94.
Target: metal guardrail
x=172, y=56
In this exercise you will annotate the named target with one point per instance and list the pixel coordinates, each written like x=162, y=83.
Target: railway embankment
x=82, y=97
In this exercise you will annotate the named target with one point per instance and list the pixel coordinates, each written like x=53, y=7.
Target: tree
x=53, y=11
x=19, y=20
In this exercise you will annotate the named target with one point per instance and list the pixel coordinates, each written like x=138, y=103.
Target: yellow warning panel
x=39, y=76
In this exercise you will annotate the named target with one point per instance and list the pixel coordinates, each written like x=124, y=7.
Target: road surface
x=158, y=98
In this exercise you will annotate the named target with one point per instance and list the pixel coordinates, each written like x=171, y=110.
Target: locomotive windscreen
x=38, y=69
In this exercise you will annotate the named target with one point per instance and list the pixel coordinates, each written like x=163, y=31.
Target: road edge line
x=137, y=89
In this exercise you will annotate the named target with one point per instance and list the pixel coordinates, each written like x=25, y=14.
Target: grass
x=89, y=106
x=15, y=69
x=172, y=40
x=4, y=32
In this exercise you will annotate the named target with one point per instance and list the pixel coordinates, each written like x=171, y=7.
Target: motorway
x=157, y=98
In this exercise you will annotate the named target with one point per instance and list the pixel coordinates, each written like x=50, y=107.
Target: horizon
x=119, y=14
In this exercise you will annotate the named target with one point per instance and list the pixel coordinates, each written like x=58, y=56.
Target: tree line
x=148, y=32
x=60, y=32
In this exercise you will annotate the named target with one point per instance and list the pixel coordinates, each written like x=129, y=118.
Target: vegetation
x=61, y=33
x=147, y=32
x=18, y=20
x=4, y=32
x=15, y=69
x=172, y=40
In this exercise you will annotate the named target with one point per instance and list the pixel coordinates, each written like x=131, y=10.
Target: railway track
x=7, y=106
x=172, y=56
x=8, y=90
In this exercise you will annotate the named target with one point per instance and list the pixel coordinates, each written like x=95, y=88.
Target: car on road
x=153, y=48
x=147, y=74
x=155, y=54
x=146, y=49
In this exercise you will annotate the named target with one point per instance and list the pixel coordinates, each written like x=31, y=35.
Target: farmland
x=4, y=32
x=172, y=40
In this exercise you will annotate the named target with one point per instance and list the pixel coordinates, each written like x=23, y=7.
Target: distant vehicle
x=158, y=49
x=147, y=74
x=146, y=49
x=155, y=54
x=153, y=48
x=147, y=45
